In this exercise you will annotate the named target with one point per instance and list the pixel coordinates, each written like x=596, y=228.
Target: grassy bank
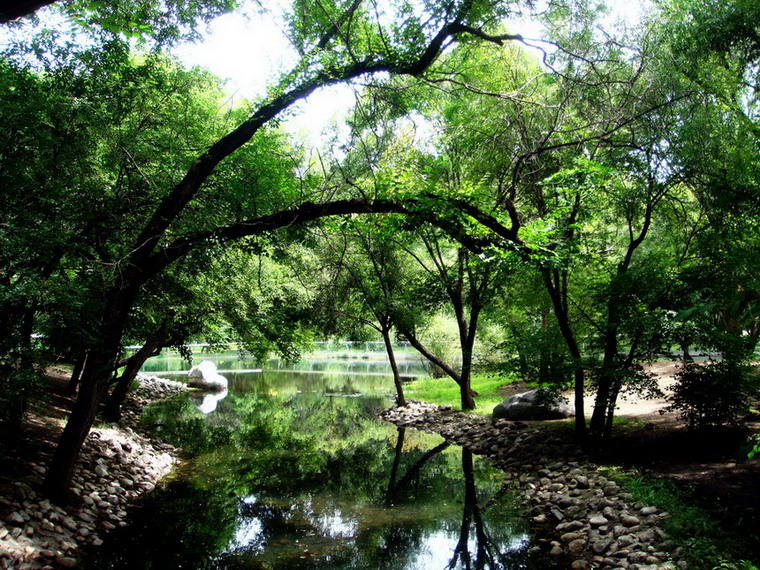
x=444, y=391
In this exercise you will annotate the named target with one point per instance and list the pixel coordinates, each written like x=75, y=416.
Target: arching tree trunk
x=93, y=388
x=148, y=257
x=149, y=254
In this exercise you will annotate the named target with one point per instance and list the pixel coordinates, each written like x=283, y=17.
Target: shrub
x=755, y=448
x=17, y=389
x=712, y=395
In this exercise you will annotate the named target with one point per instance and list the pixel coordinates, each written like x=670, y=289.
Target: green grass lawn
x=444, y=391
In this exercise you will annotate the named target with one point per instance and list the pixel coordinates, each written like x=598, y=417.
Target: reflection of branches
x=394, y=487
x=487, y=554
x=396, y=462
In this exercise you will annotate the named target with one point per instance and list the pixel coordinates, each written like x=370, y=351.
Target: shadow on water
x=306, y=481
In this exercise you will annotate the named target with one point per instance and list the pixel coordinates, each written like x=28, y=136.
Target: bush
x=709, y=396
x=755, y=448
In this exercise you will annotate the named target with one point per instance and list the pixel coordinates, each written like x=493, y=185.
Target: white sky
x=249, y=51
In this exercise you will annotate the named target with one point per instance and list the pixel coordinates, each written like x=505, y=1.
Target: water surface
x=294, y=470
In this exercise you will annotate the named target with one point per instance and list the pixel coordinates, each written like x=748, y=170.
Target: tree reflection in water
x=313, y=482
x=487, y=551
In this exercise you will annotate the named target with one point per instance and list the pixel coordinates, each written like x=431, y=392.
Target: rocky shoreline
x=116, y=467
x=580, y=518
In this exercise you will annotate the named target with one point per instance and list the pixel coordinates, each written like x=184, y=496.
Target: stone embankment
x=580, y=518
x=116, y=466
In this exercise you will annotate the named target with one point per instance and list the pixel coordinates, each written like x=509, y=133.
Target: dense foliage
x=567, y=217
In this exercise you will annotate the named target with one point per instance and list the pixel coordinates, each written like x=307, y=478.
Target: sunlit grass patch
x=444, y=391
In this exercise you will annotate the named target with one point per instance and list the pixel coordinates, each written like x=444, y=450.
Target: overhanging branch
x=308, y=212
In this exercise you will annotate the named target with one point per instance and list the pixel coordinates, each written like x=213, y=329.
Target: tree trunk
x=685, y=354
x=115, y=400
x=466, y=394
x=607, y=375
x=611, y=407
x=427, y=353
x=93, y=387
x=465, y=378
x=563, y=322
x=400, y=400
x=77, y=373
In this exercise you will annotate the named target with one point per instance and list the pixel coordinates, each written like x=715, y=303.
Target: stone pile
x=116, y=466
x=580, y=518
x=149, y=389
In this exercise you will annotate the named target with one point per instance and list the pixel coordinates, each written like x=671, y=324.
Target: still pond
x=293, y=469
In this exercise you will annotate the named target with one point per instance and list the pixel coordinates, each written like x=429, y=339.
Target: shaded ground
x=41, y=430
x=712, y=465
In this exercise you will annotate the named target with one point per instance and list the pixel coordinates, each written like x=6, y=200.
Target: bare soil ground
x=41, y=429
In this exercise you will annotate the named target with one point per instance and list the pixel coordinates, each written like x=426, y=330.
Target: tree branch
x=13, y=9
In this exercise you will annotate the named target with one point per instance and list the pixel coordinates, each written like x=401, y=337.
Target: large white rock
x=205, y=376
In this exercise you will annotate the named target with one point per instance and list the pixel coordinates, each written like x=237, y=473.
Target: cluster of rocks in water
x=116, y=466
x=580, y=518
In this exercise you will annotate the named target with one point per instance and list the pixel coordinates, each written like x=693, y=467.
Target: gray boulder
x=534, y=405
x=205, y=377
